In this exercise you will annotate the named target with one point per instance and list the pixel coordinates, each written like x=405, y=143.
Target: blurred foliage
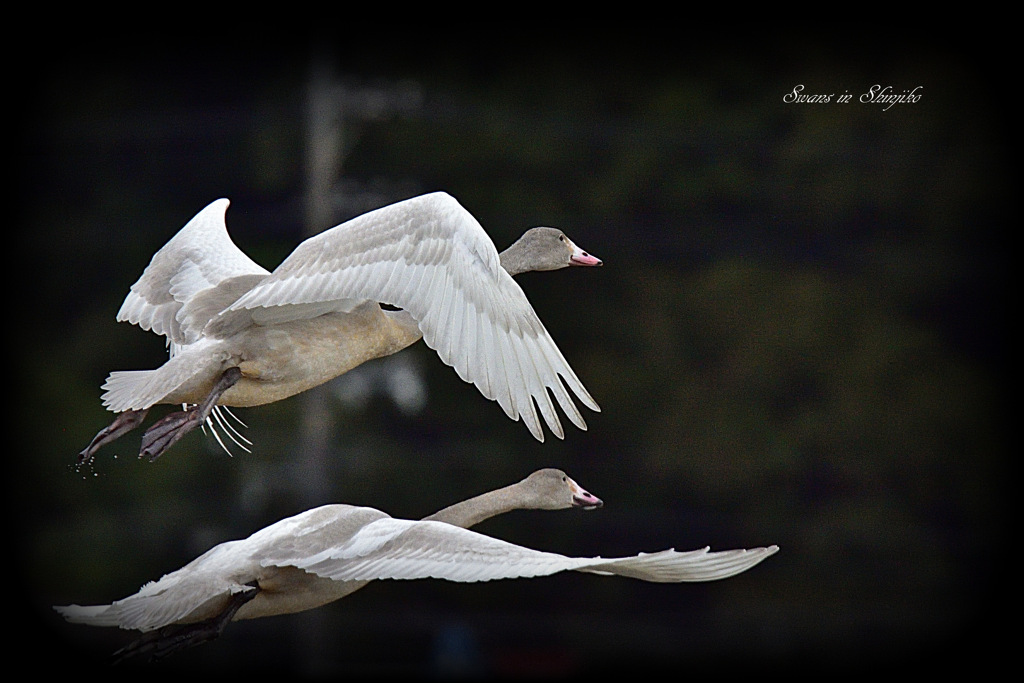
x=796, y=339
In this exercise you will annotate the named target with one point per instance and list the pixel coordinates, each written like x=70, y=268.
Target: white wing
x=403, y=549
x=431, y=258
x=200, y=259
x=349, y=543
x=198, y=590
x=202, y=587
x=672, y=566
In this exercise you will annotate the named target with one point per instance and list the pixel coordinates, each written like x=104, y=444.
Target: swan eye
x=561, y=238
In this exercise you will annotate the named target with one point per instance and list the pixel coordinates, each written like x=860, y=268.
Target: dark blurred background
x=797, y=338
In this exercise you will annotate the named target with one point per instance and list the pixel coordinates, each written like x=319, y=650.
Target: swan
x=328, y=552
x=239, y=335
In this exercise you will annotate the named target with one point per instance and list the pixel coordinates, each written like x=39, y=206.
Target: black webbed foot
x=172, y=427
x=122, y=424
x=168, y=430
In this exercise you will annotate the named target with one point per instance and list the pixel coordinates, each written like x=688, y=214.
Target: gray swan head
x=544, y=249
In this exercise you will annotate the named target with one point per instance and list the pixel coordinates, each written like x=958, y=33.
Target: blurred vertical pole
x=323, y=162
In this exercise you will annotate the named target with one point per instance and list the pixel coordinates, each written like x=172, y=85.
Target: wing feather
x=542, y=375
x=430, y=257
x=196, y=591
x=404, y=549
x=522, y=405
x=198, y=258
x=672, y=566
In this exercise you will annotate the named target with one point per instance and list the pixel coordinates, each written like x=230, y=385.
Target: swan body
x=330, y=551
x=319, y=315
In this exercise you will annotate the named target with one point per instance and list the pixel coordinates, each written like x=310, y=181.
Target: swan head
x=553, y=489
x=545, y=249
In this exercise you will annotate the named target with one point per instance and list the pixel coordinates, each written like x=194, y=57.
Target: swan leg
x=172, y=427
x=123, y=423
x=170, y=639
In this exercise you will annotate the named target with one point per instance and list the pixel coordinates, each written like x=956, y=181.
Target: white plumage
x=341, y=547
x=404, y=549
x=317, y=315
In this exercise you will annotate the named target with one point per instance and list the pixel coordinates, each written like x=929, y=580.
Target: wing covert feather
x=406, y=549
x=199, y=257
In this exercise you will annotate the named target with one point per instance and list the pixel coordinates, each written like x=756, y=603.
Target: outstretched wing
x=404, y=549
x=199, y=268
x=199, y=590
x=431, y=258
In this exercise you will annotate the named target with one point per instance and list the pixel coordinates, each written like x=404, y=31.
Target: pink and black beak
x=582, y=498
x=578, y=257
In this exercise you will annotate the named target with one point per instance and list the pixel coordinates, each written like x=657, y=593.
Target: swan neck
x=477, y=509
x=513, y=259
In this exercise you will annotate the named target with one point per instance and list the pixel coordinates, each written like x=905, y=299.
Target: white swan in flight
x=328, y=552
x=239, y=335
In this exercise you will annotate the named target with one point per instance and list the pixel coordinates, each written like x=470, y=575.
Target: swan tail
x=130, y=390
x=184, y=373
